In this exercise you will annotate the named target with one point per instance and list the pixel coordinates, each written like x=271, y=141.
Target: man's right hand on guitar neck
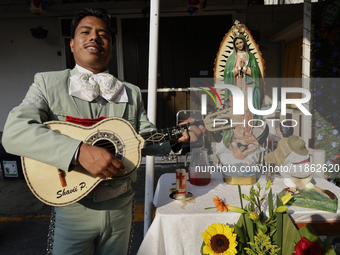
x=99, y=161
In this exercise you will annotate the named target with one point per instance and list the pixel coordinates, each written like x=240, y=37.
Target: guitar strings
x=106, y=144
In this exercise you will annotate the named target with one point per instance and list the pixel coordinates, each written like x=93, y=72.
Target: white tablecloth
x=177, y=226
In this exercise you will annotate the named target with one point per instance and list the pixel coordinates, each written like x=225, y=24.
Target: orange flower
x=220, y=205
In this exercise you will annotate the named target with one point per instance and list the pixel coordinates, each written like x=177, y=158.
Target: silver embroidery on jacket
x=33, y=98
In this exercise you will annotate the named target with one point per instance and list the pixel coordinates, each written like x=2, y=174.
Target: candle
x=181, y=184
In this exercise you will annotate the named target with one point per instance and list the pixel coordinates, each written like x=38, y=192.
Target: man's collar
x=122, y=97
x=84, y=70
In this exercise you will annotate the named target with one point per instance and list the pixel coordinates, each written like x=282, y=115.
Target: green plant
x=262, y=246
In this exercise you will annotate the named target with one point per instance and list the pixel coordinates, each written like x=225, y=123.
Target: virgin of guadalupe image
x=239, y=62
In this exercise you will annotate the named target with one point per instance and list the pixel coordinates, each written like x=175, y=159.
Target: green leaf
x=281, y=209
x=252, y=206
x=290, y=235
x=252, y=198
x=278, y=201
x=236, y=209
x=241, y=239
x=252, y=191
x=245, y=197
x=327, y=248
x=241, y=223
x=240, y=194
x=270, y=202
x=261, y=227
x=250, y=227
x=272, y=232
x=271, y=222
x=258, y=185
x=279, y=227
x=269, y=183
x=309, y=233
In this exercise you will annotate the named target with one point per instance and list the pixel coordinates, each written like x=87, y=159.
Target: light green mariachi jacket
x=48, y=99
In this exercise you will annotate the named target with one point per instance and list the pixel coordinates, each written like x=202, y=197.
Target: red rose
x=305, y=247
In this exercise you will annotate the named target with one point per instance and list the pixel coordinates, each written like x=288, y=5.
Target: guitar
x=56, y=187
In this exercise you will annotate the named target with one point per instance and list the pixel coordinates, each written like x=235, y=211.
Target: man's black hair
x=98, y=13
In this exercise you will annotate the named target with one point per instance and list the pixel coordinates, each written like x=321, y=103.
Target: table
x=177, y=226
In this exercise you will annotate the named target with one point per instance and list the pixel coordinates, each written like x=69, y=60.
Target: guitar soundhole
x=106, y=144
x=108, y=140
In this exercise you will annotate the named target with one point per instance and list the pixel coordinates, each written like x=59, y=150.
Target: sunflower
x=219, y=239
x=220, y=205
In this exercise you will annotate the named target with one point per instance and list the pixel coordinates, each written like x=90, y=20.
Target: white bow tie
x=89, y=86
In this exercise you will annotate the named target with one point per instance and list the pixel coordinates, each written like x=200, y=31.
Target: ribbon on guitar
x=84, y=121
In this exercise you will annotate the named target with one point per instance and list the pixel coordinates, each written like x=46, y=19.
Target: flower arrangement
x=257, y=233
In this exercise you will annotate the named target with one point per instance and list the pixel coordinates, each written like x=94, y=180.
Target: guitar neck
x=166, y=134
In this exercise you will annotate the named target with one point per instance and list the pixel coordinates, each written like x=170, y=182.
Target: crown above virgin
x=238, y=28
